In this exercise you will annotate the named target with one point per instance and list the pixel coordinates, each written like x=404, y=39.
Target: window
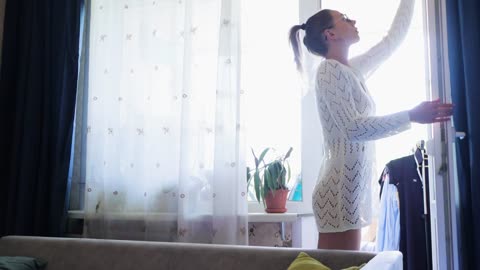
x=275, y=113
x=270, y=81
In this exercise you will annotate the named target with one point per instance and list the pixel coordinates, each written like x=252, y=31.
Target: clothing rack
x=421, y=159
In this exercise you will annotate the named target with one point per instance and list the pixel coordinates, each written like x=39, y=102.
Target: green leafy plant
x=269, y=176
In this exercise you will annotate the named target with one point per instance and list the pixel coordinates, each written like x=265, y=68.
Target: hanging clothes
x=403, y=174
x=388, y=231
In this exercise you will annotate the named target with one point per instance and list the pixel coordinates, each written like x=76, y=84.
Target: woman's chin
x=357, y=39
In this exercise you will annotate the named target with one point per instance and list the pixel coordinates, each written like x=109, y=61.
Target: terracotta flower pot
x=276, y=201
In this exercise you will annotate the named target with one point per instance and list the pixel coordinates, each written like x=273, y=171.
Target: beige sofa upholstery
x=93, y=254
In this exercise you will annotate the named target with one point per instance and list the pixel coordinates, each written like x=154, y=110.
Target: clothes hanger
x=419, y=152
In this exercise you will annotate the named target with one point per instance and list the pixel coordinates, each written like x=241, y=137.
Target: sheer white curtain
x=164, y=148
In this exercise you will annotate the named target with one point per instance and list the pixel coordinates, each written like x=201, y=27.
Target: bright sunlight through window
x=271, y=83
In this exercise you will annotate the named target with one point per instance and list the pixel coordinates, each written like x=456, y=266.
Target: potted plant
x=270, y=181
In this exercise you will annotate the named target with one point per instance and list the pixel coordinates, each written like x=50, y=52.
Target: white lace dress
x=342, y=195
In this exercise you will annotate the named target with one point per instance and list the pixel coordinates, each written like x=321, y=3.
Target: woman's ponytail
x=314, y=39
x=294, y=39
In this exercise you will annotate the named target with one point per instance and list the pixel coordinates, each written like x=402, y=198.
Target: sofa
x=93, y=254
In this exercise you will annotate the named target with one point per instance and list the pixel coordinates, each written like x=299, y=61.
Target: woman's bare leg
x=349, y=240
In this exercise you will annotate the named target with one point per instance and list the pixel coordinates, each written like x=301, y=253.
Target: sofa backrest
x=93, y=254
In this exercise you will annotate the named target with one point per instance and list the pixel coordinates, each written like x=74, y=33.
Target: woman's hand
x=431, y=112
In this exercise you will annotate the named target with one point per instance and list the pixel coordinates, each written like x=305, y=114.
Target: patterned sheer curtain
x=163, y=149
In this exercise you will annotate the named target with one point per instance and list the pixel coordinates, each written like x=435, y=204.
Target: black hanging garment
x=414, y=231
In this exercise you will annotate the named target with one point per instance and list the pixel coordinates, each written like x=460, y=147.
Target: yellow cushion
x=305, y=262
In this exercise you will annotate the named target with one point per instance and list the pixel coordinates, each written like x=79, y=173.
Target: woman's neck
x=339, y=53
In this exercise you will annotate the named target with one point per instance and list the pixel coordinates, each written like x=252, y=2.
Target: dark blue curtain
x=37, y=102
x=463, y=19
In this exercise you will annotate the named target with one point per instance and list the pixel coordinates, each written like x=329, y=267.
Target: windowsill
x=252, y=217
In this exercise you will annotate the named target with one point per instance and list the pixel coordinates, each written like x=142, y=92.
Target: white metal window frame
x=444, y=213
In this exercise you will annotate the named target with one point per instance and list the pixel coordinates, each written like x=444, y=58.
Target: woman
x=342, y=195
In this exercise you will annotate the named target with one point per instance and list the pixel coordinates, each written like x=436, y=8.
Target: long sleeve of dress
x=335, y=90
x=368, y=62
